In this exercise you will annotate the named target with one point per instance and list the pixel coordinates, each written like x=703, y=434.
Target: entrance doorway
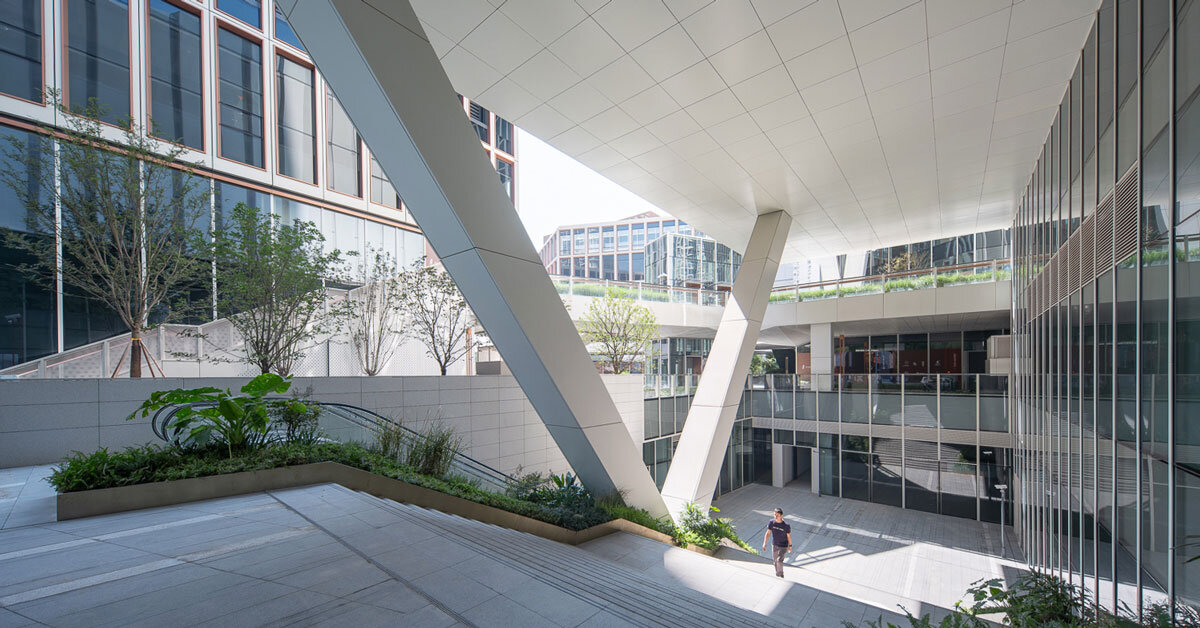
x=801, y=468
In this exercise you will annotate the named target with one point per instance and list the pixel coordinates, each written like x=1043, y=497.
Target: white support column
x=696, y=464
x=379, y=61
x=821, y=348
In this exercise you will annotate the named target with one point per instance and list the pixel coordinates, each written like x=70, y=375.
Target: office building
x=228, y=81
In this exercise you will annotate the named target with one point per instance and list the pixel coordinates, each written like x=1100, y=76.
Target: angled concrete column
x=692, y=477
x=377, y=58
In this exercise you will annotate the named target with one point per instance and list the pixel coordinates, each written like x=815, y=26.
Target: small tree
x=621, y=328
x=129, y=213
x=270, y=285
x=373, y=315
x=439, y=315
x=761, y=364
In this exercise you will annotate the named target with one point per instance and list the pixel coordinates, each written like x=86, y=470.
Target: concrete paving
x=25, y=496
x=871, y=553
x=325, y=555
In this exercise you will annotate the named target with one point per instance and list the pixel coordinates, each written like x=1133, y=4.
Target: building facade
x=613, y=251
x=1104, y=323
x=228, y=81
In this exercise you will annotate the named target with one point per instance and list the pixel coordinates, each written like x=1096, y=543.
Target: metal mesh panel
x=1104, y=240
x=1125, y=216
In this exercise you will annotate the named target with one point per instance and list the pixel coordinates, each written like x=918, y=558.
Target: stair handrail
x=160, y=424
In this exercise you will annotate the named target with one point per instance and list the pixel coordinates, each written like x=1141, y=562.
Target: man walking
x=782, y=544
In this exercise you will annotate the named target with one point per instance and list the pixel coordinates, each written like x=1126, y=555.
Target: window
x=593, y=265
x=668, y=226
x=637, y=272
x=248, y=11
x=609, y=272
x=21, y=50
x=607, y=239
x=651, y=232
x=239, y=65
x=283, y=30
x=580, y=267
x=480, y=120
x=684, y=228
x=506, y=171
x=228, y=195
x=564, y=242
x=622, y=237
x=176, y=75
x=296, y=111
x=98, y=57
x=382, y=191
x=639, y=236
x=504, y=136
x=593, y=240
x=345, y=156
x=579, y=242
x=623, y=267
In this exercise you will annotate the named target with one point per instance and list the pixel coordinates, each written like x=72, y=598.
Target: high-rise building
x=230, y=82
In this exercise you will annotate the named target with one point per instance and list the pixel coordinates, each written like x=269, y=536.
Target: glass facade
x=1105, y=238
x=683, y=261
x=176, y=74
x=196, y=74
x=20, y=52
x=239, y=63
x=98, y=53
x=296, y=119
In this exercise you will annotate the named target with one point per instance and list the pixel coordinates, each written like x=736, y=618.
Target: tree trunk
x=135, y=354
x=443, y=367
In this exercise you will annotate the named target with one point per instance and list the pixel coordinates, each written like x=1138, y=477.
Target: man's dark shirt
x=779, y=531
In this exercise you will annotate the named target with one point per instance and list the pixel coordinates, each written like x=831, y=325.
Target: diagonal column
x=377, y=58
x=692, y=477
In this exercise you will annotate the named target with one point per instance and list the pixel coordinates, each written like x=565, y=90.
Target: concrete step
x=619, y=589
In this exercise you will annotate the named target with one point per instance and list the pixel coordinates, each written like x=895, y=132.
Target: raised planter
x=157, y=494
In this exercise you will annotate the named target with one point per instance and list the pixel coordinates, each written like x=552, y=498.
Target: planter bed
x=103, y=501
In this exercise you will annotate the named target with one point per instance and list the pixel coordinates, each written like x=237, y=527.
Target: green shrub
x=391, y=440
x=698, y=528
x=141, y=465
x=1035, y=600
x=240, y=422
x=433, y=452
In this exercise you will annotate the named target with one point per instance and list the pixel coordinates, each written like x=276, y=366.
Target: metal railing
x=345, y=423
x=931, y=400
x=638, y=291
x=979, y=272
x=904, y=281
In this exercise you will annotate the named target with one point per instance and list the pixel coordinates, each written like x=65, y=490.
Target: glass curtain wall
x=1104, y=320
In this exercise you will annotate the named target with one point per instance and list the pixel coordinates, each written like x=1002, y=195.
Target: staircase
x=624, y=592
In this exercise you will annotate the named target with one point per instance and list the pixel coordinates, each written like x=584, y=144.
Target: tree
x=761, y=364
x=621, y=328
x=129, y=213
x=374, y=316
x=439, y=315
x=270, y=285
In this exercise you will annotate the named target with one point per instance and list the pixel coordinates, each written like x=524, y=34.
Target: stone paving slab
x=882, y=555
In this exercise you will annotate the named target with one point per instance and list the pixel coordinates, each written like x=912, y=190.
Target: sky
x=554, y=189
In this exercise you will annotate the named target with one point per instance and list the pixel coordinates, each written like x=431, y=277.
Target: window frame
x=317, y=83
x=240, y=32
x=148, y=114
x=42, y=58
x=328, y=157
x=66, y=57
x=220, y=14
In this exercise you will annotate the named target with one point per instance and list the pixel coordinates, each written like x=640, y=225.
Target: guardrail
x=979, y=272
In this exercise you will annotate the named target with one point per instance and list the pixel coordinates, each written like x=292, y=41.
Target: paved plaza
x=874, y=553
x=325, y=555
